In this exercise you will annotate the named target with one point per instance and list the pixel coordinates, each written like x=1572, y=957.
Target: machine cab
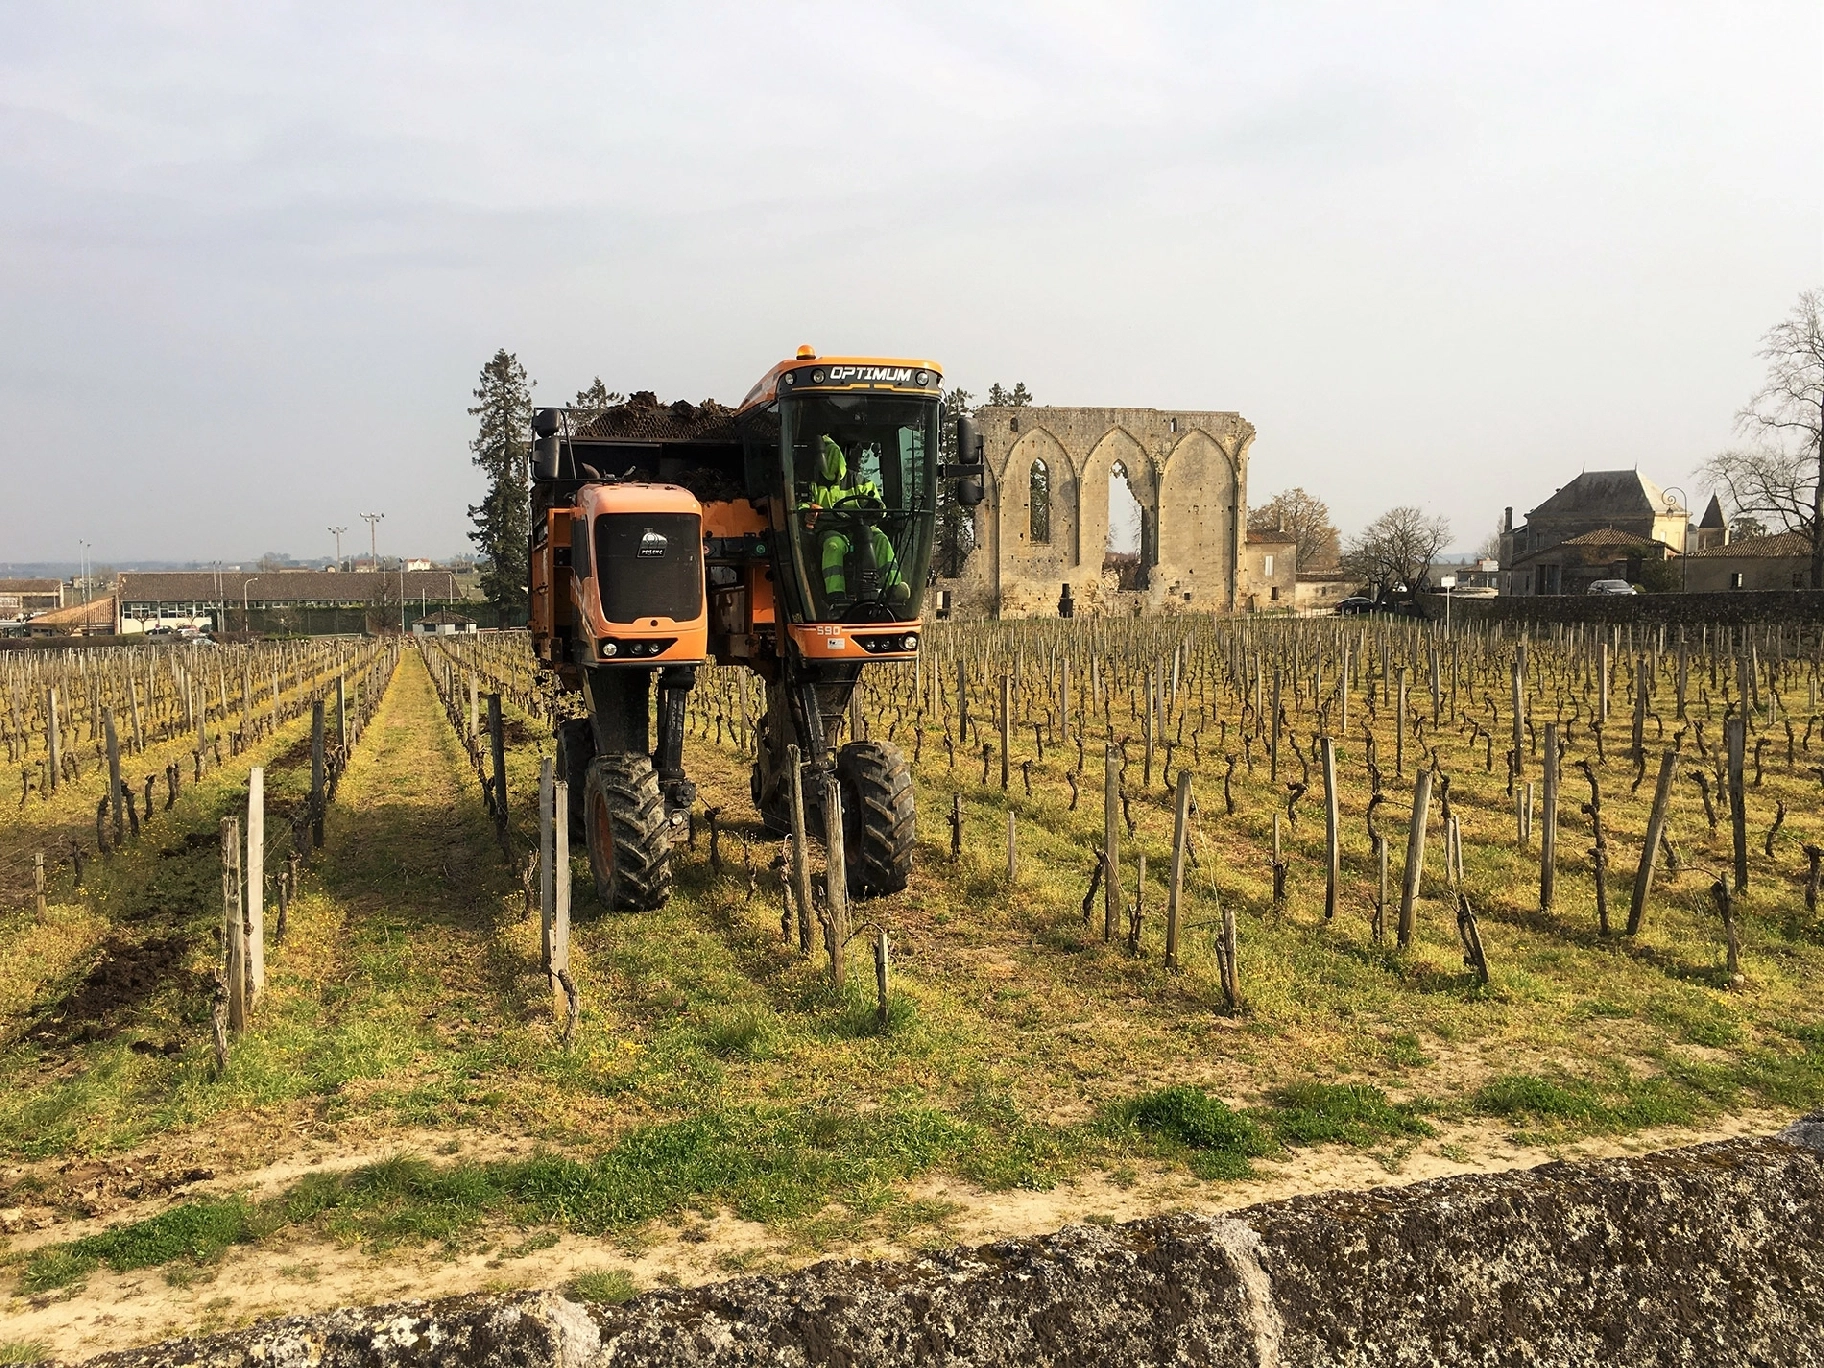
x=846, y=454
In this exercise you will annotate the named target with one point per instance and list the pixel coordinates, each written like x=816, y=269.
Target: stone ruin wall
x=1188, y=472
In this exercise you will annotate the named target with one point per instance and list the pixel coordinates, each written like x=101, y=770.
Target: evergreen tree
x=594, y=401
x=503, y=519
x=1017, y=397
x=955, y=524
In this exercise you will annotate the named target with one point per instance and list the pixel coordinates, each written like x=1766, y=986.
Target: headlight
x=923, y=378
x=816, y=377
x=609, y=648
x=911, y=642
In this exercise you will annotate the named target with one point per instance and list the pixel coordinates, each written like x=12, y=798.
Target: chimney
x=1508, y=523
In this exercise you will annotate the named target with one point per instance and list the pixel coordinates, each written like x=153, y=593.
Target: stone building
x=1044, y=523
x=1599, y=509
x=1269, y=571
x=1780, y=560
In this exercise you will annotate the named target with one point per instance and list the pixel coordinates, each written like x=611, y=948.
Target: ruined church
x=1056, y=476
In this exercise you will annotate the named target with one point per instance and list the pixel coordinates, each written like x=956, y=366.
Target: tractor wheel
x=629, y=838
x=575, y=749
x=878, y=817
x=774, y=806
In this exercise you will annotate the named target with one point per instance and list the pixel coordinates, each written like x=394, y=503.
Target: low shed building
x=444, y=624
x=1781, y=560
x=20, y=598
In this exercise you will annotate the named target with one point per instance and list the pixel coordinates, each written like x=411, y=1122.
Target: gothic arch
x=1117, y=444
x=1014, y=496
x=1200, y=495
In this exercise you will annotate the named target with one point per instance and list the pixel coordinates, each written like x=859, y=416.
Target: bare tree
x=1307, y=518
x=1782, y=476
x=1394, y=552
x=1490, y=549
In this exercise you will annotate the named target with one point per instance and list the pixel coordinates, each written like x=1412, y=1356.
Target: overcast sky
x=253, y=255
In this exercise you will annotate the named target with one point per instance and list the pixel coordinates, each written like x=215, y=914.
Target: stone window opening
x=1038, y=515
x=1126, y=552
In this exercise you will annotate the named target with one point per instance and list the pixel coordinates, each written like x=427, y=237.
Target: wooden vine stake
x=1548, y=837
x=836, y=882
x=1333, y=852
x=1415, y=854
x=1736, y=732
x=1111, y=839
x=234, y=940
x=1175, y=893
x=1656, y=826
x=881, y=953
x=801, y=854
x=256, y=884
x=565, y=1007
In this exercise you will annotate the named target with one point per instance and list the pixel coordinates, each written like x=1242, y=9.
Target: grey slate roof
x=1605, y=493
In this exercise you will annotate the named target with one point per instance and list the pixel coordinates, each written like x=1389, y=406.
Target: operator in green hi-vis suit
x=833, y=490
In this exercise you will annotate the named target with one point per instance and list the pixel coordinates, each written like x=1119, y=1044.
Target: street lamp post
x=84, y=570
x=337, y=532
x=246, y=622
x=1682, y=506
x=373, y=545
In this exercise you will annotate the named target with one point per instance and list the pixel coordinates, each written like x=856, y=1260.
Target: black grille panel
x=649, y=565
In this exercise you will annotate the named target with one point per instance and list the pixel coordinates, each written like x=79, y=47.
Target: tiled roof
x=1606, y=536
x=97, y=612
x=1271, y=536
x=1773, y=544
x=29, y=586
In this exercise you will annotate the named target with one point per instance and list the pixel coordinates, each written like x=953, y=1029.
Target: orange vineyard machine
x=791, y=536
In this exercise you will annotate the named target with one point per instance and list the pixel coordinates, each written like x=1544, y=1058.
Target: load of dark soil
x=127, y=974
x=644, y=419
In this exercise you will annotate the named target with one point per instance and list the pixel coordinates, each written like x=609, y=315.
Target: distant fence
x=369, y=620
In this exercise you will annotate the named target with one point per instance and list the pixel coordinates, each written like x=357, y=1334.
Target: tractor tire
x=575, y=749
x=628, y=836
x=879, y=817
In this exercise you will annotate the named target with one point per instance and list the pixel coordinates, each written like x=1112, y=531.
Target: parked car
x=1610, y=586
x=1349, y=607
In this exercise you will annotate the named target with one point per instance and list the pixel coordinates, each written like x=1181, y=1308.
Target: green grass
x=609, y=1286
x=23, y=1351
x=1347, y=1113
x=196, y=1232
x=1220, y=1139
x=765, y=1165
x=1578, y=1106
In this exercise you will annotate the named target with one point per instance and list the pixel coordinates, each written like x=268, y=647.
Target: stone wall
x=1693, y=610
x=1187, y=470
x=1712, y=1255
